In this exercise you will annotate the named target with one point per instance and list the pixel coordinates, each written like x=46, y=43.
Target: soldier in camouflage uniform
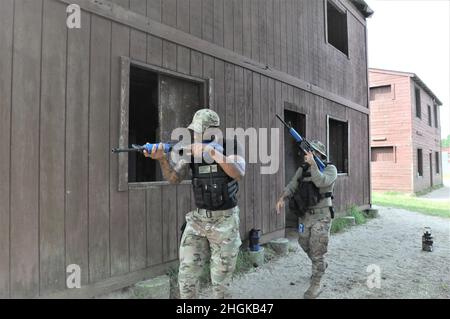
x=315, y=233
x=212, y=230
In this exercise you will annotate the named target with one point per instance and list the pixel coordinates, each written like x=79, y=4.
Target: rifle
x=141, y=148
x=303, y=144
x=168, y=147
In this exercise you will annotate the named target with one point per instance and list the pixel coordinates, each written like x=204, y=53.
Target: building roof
x=415, y=79
x=363, y=7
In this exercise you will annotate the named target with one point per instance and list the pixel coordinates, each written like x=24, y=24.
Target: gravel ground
x=391, y=242
x=439, y=194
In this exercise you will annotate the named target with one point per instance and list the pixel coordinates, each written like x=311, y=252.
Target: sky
x=414, y=36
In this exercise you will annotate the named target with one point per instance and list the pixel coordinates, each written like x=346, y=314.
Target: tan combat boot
x=314, y=289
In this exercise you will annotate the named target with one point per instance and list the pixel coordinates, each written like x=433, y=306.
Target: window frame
x=394, y=153
x=420, y=171
x=430, y=115
x=392, y=94
x=417, y=89
x=339, y=7
x=436, y=115
x=125, y=72
x=437, y=159
x=330, y=117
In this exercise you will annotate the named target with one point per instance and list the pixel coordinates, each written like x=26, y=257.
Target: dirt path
x=392, y=242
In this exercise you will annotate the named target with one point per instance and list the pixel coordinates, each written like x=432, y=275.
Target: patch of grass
x=360, y=217
x=339, y=224
x=410, y=202
x=243, y=262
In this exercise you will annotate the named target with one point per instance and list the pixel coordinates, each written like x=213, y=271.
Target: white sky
x=413, y=36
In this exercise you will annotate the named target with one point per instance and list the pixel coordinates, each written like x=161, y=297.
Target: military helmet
x=319, y=147
x=203, y=120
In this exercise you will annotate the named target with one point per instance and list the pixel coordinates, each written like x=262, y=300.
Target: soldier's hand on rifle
x=280, y=205
x=309, y=158
x=157, y=153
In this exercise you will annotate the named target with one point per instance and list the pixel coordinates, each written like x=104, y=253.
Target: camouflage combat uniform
x=317, y=220
x=209, y=235
x=215, y=238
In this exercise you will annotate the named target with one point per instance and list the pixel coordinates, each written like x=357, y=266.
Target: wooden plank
x=277, y=34
x=207, y=20
x=283, y=38
x=138, y=229
x=195, y=21
x=196, y=64
x=295, y=39
x=120, y=262
x=254, y=30
x=99, y=152
x=183, y=17
x=249, y=176
x=169, y=55
x=154, y=226
x=218, y=22
x=154, y=44
x=219, y=90
x=118, y=14
x=280, y=219
x=139, y=6
x=183, y=60
x=238, y=26
x=239, y=110
x=52, y=141
x=208, y=73
x=289, y=36
x=229, y=111
x=270, y=32
x=154, y=9
x=257, y=212
x=262, y=31
x=247, y=27
x=275, y=149
x=264, y=179
x=169, y=12
x=228, y=21
x=77, y=150
x=169, y=208
x=6, y=50
x=24, y=240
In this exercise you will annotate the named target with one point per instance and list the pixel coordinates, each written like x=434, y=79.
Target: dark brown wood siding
x=60, y=116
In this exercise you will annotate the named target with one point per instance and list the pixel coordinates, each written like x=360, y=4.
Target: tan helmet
x=319, y=147
x=203, y=120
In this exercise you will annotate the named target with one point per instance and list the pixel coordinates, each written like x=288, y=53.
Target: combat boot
x=314, y=288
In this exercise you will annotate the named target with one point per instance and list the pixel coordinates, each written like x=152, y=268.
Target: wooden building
x=405, y=132
x=135, y=70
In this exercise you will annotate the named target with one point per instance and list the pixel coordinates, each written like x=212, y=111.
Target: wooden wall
x=59, y=117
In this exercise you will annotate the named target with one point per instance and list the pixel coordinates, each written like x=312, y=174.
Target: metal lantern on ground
x=427, y=240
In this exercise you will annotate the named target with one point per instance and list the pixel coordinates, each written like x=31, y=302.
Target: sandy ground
x=390, y=243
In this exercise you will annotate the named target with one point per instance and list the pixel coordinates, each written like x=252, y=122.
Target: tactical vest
x=213, y=188
x=307, y=195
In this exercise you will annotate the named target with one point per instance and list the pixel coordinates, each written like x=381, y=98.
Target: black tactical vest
x=213, y=188
x=307, y=194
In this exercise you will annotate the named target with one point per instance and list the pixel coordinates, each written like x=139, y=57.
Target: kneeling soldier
x=310, y=193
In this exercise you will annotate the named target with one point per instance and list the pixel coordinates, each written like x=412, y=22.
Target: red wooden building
x=405, y=132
